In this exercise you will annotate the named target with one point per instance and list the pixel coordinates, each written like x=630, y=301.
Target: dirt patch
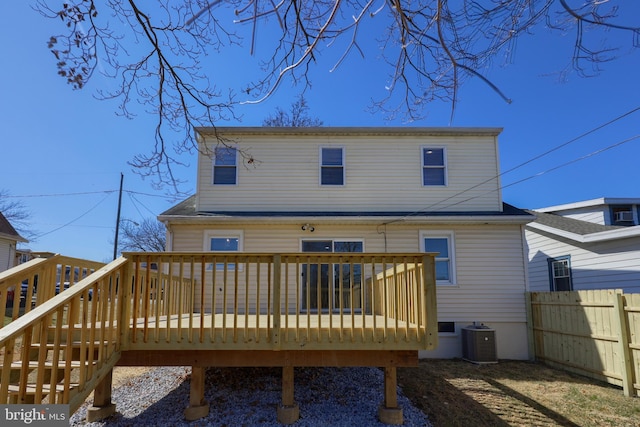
x=123, y=374
x=513, y=393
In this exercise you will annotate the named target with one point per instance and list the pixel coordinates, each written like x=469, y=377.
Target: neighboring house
x=283, y=190
x=594, y=244
x=9, y=238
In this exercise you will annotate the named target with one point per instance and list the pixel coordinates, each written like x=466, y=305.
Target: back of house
x=378, y=190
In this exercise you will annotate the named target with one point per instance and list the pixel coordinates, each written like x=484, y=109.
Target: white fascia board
x=602, y=236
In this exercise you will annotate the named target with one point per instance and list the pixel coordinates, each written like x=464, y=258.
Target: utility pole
x=115, y=240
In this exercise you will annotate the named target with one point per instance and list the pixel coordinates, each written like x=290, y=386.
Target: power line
x=526, y=163
x=586, y=156
x=73, y=220
x=62, y=194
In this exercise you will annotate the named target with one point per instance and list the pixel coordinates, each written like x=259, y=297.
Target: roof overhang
x=603, y=236
x=347, y=131
x=347, y=219
x=13, y=237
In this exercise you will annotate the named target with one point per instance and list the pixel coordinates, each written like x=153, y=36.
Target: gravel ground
x=249, y=397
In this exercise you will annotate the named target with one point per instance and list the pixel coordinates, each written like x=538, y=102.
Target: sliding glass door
x=331, y=286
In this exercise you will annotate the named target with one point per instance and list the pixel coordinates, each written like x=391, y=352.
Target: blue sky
x=63, y=150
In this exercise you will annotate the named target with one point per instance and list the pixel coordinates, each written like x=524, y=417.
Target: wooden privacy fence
x=593, y=333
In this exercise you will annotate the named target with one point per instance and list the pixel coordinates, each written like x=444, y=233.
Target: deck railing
x=281, y=301
x=67, y=343
x=60, y=349
x=30, y=284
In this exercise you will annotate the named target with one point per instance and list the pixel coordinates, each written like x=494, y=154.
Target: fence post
x=277, y=260
x=625, y=350
x=530, y=331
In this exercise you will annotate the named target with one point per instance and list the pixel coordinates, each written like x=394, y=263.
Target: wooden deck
x=213, y=309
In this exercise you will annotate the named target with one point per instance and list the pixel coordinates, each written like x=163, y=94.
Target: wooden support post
x=389, y=412
x=102, y=405
x=198, y=408
x=288, y=410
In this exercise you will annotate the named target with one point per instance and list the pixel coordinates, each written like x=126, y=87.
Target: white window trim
x=450, y=236
x=344, y=166
x=213, y=168
x=444, y=160
x=232, y=234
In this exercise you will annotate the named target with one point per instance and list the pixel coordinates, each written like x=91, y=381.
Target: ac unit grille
x=479, y=345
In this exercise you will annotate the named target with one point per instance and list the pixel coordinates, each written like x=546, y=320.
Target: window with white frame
x=560, y=274
x=331, y=166
x=225, y=170
x=442, y=244
x=223, y=241
x=434, y=170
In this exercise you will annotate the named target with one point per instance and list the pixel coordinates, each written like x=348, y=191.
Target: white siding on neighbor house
x=606, y=265
x=595, y=214
x=490, y=267
x=381, y=174
x=7, y=254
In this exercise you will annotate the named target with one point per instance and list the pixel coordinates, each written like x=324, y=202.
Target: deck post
x=389, y=412
x=198, y=408
x=102, y=405
x=288, y=410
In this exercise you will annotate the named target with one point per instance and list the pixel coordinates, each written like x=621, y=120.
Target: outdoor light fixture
x=308, y=227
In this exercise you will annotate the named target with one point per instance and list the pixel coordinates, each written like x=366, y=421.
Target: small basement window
x=447, y=327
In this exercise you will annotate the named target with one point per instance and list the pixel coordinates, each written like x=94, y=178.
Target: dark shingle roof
x=188, y=208
x=7, y=229
x=571, y=225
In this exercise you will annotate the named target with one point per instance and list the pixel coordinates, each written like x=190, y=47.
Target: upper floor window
x=331, y=166
x=225, y=166
x=433, y=166
x=442, y=244
x=560, y=274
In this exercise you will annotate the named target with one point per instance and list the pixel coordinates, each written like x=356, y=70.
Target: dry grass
x=513, y=393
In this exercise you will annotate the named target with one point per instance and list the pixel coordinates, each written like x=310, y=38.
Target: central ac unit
x=479, y=344
x=624, y=216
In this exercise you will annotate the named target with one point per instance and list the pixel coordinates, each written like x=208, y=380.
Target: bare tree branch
x=157, y=50
x=17, y=214
x=148, y=236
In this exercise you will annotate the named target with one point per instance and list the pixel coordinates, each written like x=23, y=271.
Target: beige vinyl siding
x=605, y=265
x=489, y=260
x=381, y=174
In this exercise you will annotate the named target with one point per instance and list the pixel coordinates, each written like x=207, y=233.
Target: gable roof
x=186, y=211
x=578, y=230
x=7, y=231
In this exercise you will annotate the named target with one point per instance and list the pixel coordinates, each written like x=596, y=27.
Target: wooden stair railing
x=58, y=352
